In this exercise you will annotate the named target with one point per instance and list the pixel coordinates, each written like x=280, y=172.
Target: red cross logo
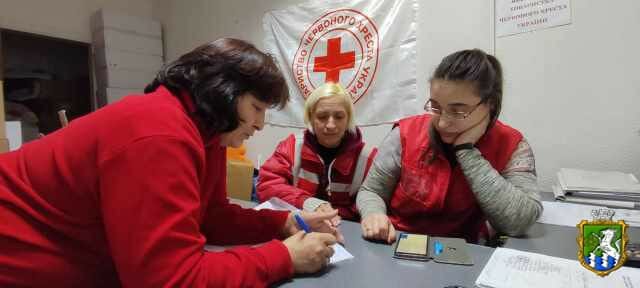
x=334, y=61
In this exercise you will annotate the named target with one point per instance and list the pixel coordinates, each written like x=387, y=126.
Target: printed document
x=510, y=268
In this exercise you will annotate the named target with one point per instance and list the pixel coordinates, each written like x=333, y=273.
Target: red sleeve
x=230, y=224
x=276, y=179
x=150, y=201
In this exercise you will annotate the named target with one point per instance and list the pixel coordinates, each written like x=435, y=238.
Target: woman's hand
x=317, y=222
x=473, y=134
x=326, y=207
x=377, y=226
x=309, y=252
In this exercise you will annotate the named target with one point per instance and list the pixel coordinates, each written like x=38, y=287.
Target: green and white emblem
x=602, y=242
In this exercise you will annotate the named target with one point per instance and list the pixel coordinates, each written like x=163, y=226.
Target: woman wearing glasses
x=455, y=171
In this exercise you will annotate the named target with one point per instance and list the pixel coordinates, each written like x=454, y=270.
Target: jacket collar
x=346, y=156
x=188, y=106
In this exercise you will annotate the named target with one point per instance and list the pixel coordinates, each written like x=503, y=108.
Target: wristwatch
x=463, y=146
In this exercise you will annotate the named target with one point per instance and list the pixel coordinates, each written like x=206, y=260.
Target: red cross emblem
x=334, y=61
x=354, y=67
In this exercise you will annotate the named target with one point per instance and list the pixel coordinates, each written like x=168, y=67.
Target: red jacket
x=435, y=199
x=276, y=178
x=128, y=196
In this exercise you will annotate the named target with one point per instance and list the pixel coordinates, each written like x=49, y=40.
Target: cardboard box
x=4, y=145
x=128, y=41
x=109, y=19
x=4, y=142
x=123, y=78
x=118, y=59
x=239, y=179
x=3, y=132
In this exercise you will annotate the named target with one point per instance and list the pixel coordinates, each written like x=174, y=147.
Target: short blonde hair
x=328, y=90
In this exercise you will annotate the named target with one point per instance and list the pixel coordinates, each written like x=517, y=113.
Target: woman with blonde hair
x=322, y=168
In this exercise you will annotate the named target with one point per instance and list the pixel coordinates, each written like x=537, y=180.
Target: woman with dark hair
x=129, y=195
x=456, y=171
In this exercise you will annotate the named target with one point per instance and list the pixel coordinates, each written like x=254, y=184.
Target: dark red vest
x=434, y=199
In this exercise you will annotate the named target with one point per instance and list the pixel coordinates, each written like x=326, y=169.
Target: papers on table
x=275, y=203
x=603, y=200
x=607, y=188
x=568, y=214
x=340, y=254
x=576, y=180
x=509, y=268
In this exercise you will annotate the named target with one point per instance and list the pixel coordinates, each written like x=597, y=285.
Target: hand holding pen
x=309, y=251
x=315, y=221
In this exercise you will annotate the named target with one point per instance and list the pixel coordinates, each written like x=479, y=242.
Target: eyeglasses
x=447, y=113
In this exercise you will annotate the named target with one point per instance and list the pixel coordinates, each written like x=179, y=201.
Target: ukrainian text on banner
x=367, y=46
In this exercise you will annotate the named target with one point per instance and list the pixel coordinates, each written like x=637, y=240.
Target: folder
x=424, y=248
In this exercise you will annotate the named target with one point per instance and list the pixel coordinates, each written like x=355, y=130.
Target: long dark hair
x=215, y=74
x=480, y=69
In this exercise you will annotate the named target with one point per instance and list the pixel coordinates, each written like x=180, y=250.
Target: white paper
x=561, y=196
x=275, y=203
x=340, y=254
x=568, y=214
x=510, y=268
x=604, y=181
x=14, y=134
x=518, y=16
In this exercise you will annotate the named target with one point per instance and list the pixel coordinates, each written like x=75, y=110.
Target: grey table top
x=555, y=240
x=374, y=266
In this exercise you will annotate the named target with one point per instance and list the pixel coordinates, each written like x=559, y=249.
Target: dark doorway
x=43, y=75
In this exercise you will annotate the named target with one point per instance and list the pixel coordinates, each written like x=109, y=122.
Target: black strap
x=462, y=146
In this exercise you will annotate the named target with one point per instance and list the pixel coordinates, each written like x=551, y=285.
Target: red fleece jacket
x=128, y=196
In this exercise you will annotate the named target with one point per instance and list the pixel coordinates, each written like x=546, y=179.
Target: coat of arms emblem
x=602, y=242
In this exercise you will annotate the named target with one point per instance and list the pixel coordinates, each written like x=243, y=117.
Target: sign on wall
x=518, y=16
x=367, y=46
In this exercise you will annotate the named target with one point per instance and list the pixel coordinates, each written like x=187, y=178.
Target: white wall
x=571, y=90
x=574, y=90
x=67, y=19
x=186, y=26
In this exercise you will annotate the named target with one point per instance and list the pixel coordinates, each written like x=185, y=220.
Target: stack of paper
x=570, y=214
x=510, y=268
x=608, y=188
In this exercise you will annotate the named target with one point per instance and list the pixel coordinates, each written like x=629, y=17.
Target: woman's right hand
x=377, y=226
x=310, y=252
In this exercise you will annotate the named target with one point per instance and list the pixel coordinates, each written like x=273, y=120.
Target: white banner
x=367, y=46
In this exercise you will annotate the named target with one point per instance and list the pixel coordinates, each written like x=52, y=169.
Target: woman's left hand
x=473, y=134
x=317, y=221
x=326, y=207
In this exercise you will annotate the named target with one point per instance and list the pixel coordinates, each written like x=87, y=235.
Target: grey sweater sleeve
x=511, y=201
x=377, y=188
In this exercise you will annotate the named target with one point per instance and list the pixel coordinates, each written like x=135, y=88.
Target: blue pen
x=301, y=223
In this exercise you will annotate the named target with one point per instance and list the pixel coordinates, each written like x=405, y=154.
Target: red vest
x=434, y=199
